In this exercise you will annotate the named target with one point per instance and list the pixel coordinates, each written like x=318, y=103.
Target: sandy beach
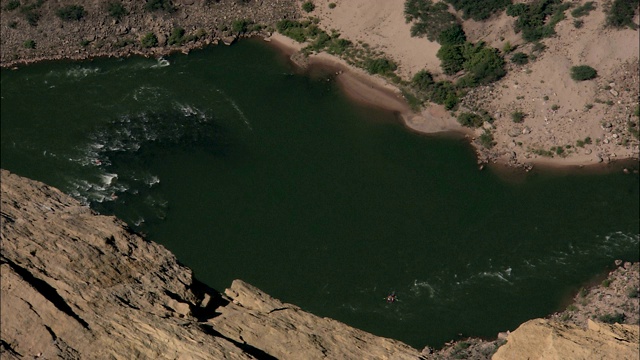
x=560, y=112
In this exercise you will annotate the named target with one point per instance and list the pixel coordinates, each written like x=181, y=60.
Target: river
x=246, y=169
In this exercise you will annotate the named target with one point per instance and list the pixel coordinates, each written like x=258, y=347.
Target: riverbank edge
x=370, y=90
x=376, y=91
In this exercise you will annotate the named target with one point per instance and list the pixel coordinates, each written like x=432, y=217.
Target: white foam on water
x=138, y=221
x=162, y=62
x=236, y=107
x=419, y=286
x=81, y=72
x=107, y=178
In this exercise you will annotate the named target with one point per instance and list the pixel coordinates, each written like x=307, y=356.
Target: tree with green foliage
x=308, y=6
x=451, y=58
x=12, y=5
x=154, y=5
x=176, y=37
x=621, y=13
x=423, y=80
x=116, y=9
x=71, y=13
x=583, y=10
x=470, y=120
x=583, y=72
x=533, y=18
x=520, y=58
x=381, y=66
x=240, y=26
x=445, y=93
x=483, y=64
x=29, y=44
x=149, y=40
x=453, y=35
x=428, y=19
x=479, y=9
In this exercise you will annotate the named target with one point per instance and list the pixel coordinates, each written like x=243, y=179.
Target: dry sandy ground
x=613, y=53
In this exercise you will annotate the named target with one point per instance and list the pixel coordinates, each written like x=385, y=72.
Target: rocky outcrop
x=547, y=339
x=78, y=285
x=99, y=33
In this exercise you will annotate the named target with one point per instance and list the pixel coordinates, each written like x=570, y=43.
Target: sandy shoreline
x=434, y=119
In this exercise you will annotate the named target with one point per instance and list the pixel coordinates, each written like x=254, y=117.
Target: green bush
x=292, y=29
x=240, y=26
x=612, y=318
x=517, y=116
x=429, y=19
x=520, y=58
x=583, y=72
x=578, y=23
x=149, y=40
x=12, y=5
x=470, y=120
x=479, y=9
x=154, y=5
x=382, y=66
x=308, y=6
x=32, y=17
x=453, y=35
x=422, y=80
x=71, y=13
x=583, y=10
x=486, y=139
x=445, y=93
x=621, y=13
x=176, y=37
x=332, y=5
x=533, y=19
x=29, y=44
x=451, y=58
x=116, y=9
x=483, y=64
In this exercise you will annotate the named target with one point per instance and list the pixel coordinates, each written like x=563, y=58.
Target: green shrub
x=154, y=5
x=422, y=80
x=621, y=13
x=606, y=282
x=429, y=19
x=176, y=37
x=486, y=139
x=520, y=58
x=332, y=5
x=583, y=10
x=116, y=10
x=12, y=5
x=517, y=116
x=149, y=40
x=85, y=43
x=292, y=29
x=71, y=13
x=583, y=72
x=483, y=64
x=308, y=6
x=240, y=26
x=555, y=107
x=29, y=44
x=632, y=292
x=578, y=23
x=453, y=35
x=451, y=58
x=13, y=24
x=445, y=93
x=382, y=66
x=479, y=10
x=32, y=17
x=470, y=120
x=533, y=19
x=612, y=318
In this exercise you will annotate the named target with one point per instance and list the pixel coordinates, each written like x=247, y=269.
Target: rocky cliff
x=78, y=285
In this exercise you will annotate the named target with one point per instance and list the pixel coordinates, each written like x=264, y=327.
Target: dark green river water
x=247, y=170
